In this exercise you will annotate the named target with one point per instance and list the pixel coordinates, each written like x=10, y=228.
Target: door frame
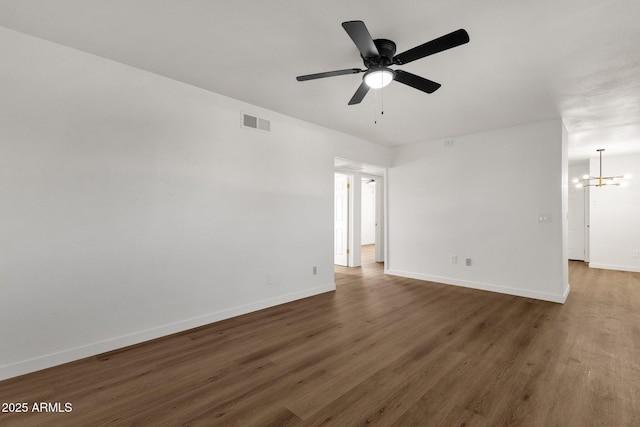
x=356, y=171
x=347, y=220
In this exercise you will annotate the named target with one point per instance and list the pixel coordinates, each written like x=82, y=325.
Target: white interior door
x=576, y=225
x=341, y=220
x=576, y=220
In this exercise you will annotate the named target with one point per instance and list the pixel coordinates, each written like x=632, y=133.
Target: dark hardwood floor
x=381, y=350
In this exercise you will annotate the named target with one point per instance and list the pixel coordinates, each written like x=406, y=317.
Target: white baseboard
x=69, y=355
x=630, y=268
x=485, y=286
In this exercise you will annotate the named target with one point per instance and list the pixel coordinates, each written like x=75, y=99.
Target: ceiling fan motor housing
x=386, y=49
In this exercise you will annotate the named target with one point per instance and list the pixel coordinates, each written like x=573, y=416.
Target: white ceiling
x=527, y=60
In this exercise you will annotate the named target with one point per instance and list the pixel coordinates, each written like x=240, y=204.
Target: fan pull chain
x=375, y=120
x=375, y=113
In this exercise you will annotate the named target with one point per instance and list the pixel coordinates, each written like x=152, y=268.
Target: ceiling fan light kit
x=377, y=79
x=377, y=55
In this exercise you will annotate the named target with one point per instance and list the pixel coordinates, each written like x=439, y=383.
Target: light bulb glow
x=585, y=176
x=575, y=180
x=378, y=78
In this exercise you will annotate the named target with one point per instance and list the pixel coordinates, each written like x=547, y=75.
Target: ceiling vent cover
x=253, y=122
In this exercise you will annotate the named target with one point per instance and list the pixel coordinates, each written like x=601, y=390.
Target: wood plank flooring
x=381, y=350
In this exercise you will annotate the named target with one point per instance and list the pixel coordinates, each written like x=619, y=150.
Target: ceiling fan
x=379, y=54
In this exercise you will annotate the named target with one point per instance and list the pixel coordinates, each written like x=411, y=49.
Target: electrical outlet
x=315, y=270
x=636, y=253
x=453, y=259
x=468, y=262
x=544, y=217
x=269, y=280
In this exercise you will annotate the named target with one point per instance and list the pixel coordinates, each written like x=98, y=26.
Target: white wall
x=368, y=236
x=134, y=206
x=615, y=215
x=480, y=199
x=381, y=220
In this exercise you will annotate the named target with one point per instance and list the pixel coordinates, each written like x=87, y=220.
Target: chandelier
x=600, y=181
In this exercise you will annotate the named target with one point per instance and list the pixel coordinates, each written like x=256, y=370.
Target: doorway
x=358, y=212
x=578, y=216
x=368, y=218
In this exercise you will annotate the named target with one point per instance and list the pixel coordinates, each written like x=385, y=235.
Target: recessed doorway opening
x=358, y=212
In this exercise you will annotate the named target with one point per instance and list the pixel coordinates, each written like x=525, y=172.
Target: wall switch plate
x=315, y=270
x=468, y=262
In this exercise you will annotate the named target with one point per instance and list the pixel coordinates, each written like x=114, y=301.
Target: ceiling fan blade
x=328, y=74
x=361, y=37
x=416, y=82
x=360, y=93
x=445, y=42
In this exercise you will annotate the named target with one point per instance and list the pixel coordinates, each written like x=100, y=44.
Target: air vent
x=264, y=124
x=253, y=122
x=249, y=121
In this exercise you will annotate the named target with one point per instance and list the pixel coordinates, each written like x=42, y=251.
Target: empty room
x=319, y=213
